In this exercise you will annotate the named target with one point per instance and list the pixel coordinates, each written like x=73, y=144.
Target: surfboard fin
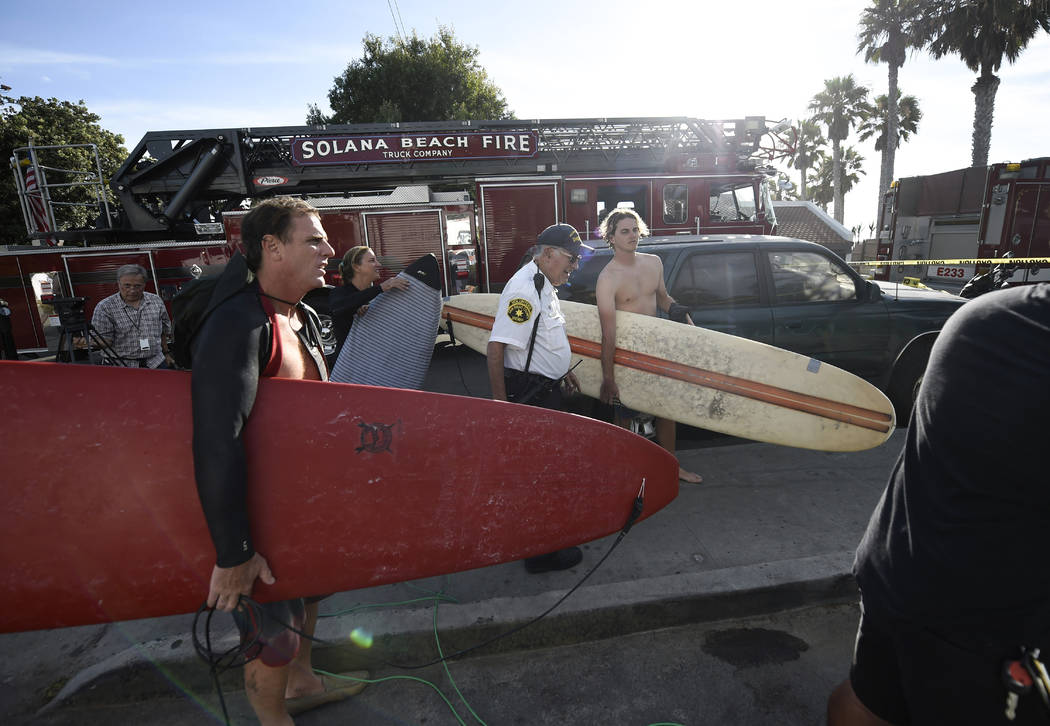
x=636, y=509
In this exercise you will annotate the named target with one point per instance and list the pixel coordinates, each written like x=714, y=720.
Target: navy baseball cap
x=564, y=236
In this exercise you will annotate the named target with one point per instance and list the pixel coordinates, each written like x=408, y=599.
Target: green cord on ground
x=448, y=673
x=373, y=681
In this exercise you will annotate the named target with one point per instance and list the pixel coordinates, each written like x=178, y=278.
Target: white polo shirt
x=518, y=307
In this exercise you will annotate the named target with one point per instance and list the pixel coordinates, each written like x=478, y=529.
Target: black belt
x=524, y=387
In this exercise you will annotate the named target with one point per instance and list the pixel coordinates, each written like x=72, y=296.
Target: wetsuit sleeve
x=343, y=304
x=226, y=355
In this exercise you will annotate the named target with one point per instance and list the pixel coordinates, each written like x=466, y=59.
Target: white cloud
x=13, y=55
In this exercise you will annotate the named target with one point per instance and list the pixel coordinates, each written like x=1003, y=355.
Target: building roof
x=805, y=220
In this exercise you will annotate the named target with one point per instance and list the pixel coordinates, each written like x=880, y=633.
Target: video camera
x=70, y=311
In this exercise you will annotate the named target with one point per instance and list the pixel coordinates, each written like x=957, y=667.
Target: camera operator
x=135, y=322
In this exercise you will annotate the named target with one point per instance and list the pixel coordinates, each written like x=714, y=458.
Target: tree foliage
x=877, y=124
x=413, y=80
x=982, y=33
x=839, y=107
x=809, y=150
x=823, y=190
x=888, y=30
x=49, y=122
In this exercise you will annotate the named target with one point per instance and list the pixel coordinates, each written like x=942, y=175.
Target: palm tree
x=839, y=107
x=908, y=116
x=888, y=29
x=809, y=145
x=850, y=169
x=982, y=32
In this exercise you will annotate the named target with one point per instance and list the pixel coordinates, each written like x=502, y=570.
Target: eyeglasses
x=572, y=258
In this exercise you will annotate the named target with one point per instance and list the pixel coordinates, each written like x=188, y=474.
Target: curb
x=406, y=636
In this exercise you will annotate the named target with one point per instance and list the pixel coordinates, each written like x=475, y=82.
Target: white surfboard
x=709, y=379
x=391, y=344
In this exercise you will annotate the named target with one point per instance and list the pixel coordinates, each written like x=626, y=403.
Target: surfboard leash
x=222, y=662
x=236, y=657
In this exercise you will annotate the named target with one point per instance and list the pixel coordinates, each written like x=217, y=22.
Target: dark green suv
x=799, y=296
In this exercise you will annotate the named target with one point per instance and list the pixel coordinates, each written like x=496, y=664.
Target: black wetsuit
x=230, y=352
x=343, y=304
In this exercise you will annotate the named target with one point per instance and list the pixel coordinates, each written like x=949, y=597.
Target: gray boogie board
x=391, y=344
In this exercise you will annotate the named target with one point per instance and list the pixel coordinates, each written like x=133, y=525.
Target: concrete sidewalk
x=770, y=528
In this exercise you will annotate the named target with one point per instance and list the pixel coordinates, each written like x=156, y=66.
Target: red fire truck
x=966, y=214
x=474, y=193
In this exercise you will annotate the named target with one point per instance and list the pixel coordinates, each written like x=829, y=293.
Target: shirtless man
x=632, y=281
x=260, y=330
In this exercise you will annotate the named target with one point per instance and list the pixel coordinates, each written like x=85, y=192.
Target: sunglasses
x=572, y=258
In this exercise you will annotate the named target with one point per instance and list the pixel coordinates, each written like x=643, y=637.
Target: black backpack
x=192, y=305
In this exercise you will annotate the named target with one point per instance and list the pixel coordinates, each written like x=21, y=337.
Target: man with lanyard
x=528, y=350
x=259, y=329
x=134, y=322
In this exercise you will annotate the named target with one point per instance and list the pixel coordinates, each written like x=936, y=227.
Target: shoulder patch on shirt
x=519, y=310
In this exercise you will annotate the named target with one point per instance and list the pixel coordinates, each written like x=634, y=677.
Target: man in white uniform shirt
x=528, y=350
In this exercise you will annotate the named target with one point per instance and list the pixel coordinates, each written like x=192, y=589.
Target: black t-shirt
x=959, y=537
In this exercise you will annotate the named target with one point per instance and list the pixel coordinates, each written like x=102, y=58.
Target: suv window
x=728, y=278
x=800, y=277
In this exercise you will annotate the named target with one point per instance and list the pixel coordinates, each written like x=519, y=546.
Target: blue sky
x=149, y=66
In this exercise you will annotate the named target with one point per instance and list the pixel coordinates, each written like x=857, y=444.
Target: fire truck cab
x=979, y=212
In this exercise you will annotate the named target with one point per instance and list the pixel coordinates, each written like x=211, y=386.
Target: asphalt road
x=774, y=669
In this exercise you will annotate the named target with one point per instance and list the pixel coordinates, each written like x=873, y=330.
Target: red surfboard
x=350, y=486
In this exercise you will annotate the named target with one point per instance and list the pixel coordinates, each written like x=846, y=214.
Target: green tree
x=51, y=122
x=824, y=189
x=877, y=124
x=809, y=150
x=413, y=80
x=839, y=107
x=982, y=33
x=888, y=30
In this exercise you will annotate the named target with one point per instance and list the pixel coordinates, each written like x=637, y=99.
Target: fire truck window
x=733, y=203
x=633, y=196
x=676, y=203
x=801, y=277
x=718, y=279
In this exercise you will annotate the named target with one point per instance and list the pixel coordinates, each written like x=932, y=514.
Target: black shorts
x=908, y=674
x=269, y=629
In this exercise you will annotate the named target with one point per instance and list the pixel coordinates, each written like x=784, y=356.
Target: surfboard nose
x=425, y=269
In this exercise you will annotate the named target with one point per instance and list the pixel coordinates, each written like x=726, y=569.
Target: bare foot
x=689, y=477
x=303, y=684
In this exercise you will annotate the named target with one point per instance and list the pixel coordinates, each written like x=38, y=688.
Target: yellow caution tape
x=964, y=261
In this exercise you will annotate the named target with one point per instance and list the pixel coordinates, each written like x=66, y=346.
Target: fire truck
x=980, y=212
x=473, y=193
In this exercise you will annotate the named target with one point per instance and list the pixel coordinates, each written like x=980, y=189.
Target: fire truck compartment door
x=400, y=238
x=512, y=216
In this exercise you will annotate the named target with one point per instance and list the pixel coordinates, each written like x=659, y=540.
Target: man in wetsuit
x=262, y=329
